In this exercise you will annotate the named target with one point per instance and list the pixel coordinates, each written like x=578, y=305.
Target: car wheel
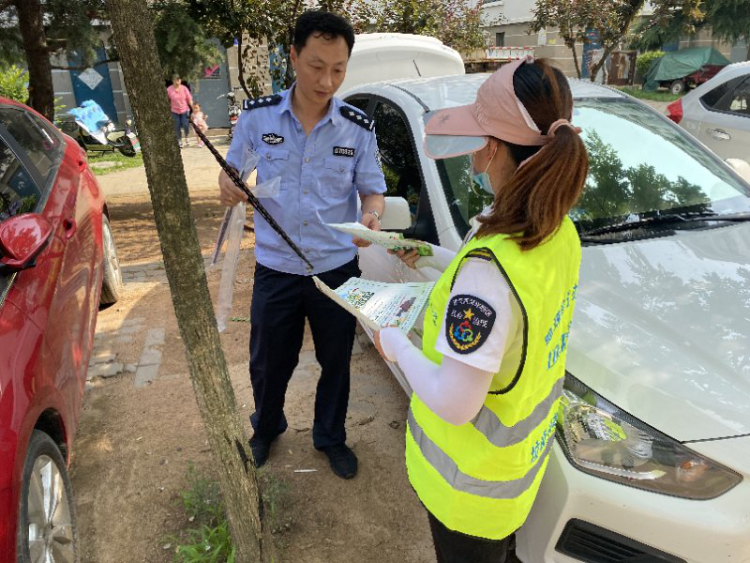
x=112, y=280
x=677, y=87
x=46, y=520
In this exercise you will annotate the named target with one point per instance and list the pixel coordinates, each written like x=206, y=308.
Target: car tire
x=112, y=279
x=677, y=87
x=46, y=518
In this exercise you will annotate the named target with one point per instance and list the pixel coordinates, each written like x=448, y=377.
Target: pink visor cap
x=497, y=112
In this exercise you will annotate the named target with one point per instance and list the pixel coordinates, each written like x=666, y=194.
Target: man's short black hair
x=329, y=25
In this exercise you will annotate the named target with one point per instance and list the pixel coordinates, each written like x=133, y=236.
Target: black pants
x=455, y=547
x=280, y=304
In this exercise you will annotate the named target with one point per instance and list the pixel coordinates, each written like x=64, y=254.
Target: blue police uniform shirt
x=321, y=175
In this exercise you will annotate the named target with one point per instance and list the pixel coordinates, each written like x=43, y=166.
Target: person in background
x=199, y=118
x=325, y=152
x=488, y=380
x=180, y=101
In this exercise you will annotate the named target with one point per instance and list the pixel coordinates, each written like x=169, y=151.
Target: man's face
x=177, y=82
x=320, y=67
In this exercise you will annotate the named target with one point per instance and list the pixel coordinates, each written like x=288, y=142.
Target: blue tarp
x=91, y=116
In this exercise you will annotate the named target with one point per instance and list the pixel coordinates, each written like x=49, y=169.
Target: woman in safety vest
x=489, y=376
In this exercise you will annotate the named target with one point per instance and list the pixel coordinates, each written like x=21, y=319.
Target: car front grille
x=594, y=544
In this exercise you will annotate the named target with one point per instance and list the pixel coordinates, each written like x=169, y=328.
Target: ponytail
x=549, y=181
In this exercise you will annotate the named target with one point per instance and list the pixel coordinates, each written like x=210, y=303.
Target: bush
x=14, y=84
x=644, y=60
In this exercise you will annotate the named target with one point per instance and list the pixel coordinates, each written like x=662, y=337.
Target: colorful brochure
x=391, y=241
x=379, y=304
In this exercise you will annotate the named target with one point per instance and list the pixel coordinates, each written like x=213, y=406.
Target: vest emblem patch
x=468, y=323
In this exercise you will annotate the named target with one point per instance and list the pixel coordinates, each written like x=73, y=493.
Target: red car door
x=56, y=294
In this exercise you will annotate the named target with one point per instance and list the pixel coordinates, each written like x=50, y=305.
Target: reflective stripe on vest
x=488, y=423
x=460, y=481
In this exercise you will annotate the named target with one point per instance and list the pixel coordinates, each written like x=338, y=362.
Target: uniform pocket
x=273, y=162
x=336, y=176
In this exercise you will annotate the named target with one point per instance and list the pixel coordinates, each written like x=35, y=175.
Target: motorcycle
x=235, y=110
x=95, y=132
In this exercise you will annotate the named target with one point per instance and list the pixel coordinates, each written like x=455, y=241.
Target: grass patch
x=208, y=538
x=657, y=96
x=105, y=163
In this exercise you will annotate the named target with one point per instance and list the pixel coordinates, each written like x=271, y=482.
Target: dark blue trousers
x=280, y=304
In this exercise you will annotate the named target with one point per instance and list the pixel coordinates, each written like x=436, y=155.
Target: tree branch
x=97, y=63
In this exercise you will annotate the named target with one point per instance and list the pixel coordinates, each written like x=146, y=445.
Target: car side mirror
x=22, y=238
x=742, y=167
x=397, y=216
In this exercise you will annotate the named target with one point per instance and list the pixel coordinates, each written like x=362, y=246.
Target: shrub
x=14, y=84
x=644, y=61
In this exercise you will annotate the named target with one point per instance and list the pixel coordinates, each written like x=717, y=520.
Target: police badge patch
x=273, y=139
x=468, y=323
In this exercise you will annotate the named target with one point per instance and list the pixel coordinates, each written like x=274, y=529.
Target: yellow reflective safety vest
x=481, y=478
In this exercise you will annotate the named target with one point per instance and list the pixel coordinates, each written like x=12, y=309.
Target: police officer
x=488, y=380
x=325, y=152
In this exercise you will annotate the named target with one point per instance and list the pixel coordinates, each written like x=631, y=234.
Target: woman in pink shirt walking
x=180, y=101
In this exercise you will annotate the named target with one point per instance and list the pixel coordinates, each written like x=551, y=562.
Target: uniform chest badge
x=468, y=323
x=273, y=139
x=344, y=151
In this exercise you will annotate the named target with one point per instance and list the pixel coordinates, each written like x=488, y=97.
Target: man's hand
x=408, y=257
x=371, y=222
x=229, y=194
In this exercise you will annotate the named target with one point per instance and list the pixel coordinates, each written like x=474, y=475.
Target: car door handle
x=70, y=227
x=719, y=134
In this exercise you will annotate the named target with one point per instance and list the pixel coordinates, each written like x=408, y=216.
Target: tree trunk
x=31, y=24
x=134, y=36
x=598, y=66
x=572, y=46
x=241, y=69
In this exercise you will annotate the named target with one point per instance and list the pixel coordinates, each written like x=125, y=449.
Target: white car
x=652, y=461
x=718, y=112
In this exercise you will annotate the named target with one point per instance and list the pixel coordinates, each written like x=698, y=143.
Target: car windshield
x=639, y=166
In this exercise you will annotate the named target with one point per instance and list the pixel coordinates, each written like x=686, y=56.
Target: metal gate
x=208, y=92
x=94, y=84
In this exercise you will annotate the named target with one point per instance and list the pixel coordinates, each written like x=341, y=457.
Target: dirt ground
x=141, y=429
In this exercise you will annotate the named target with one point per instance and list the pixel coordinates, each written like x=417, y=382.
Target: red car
x=57, y=264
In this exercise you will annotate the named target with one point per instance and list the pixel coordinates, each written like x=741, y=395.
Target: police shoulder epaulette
x=356, y=117
x=261, y=102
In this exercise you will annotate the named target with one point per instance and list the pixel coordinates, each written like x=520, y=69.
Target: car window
x=397, y=156
x=42, y=144
x=714, y=98
x=739, y=100
x=639, y=165
x=360, y=103
x=18, y=192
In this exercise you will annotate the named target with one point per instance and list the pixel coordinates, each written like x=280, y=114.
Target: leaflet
x=392, y=241
x=379, y=304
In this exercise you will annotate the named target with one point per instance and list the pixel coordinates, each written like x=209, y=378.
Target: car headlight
x=600, y=439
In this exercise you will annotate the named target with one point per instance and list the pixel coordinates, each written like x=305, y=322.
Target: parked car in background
x=718, y=112
x=652, y=457
x=684, y=69
x=57, y=264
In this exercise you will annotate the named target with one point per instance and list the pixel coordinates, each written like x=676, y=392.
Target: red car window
x=43, y=147
x=18, y=192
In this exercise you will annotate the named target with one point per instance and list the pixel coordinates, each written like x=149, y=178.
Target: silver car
x=718, y=112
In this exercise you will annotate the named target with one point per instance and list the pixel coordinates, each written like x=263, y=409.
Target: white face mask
x=482, y=179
